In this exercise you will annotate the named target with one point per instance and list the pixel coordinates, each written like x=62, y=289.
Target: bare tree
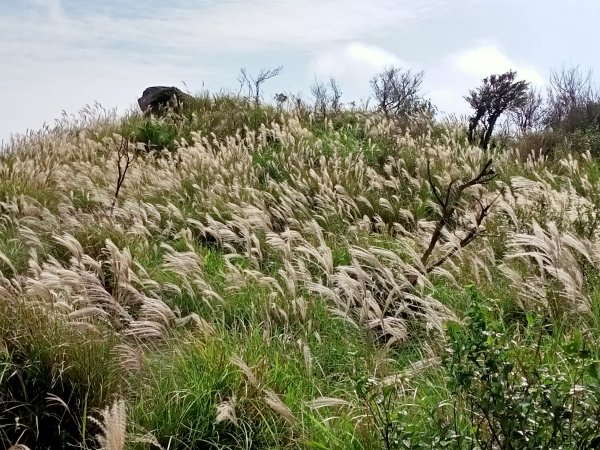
x=397, y=92
x=124, y=161
x=497, y=94
x=336, y=95
x=253, y=83
x=326, y=96
x=529, y=115
x=573, y=100
x=319, y=91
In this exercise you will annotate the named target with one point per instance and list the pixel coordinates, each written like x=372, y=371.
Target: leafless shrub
x=448, y=203
x=528, y=115
x=335, y=96
x=319, y=91
x=398, y=92
x=327, y=96
x=254, y=82
x=573, y=100
x=124, y=161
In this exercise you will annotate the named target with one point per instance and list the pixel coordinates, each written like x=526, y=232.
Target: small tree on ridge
x=398, y=92
x=497, y=94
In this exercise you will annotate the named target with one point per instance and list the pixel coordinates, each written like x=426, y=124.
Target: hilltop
x=252, y=276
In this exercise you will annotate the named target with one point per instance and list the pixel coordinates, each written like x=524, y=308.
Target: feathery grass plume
x=274, y=402
x=411, y=372
x=555, y=255
x=328, y=402
x=239, y=362
x=112, y=422
x=226, y=411
x=298, y=245
x=130, y=357
x=8, y=262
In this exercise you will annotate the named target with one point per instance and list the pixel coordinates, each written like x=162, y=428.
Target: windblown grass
x=260, y=279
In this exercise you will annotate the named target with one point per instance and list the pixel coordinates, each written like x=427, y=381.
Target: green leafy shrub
x=515, y=388
x=389, y=420
x=156, y=134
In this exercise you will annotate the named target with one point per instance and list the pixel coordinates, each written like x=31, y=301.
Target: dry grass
x=315, y=222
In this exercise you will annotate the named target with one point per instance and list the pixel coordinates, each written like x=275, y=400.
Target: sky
x=60, y=55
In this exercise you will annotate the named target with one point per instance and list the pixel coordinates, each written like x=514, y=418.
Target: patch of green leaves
x=515, y=387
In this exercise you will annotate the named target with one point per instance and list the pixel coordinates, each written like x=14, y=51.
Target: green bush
x=514, y=387
x=156, y=134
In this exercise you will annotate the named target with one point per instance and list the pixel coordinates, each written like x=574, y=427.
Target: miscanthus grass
x=267, y=288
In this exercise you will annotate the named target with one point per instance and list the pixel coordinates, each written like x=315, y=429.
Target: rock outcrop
x=158, y=99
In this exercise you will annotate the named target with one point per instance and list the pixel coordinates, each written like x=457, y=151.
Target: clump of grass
x=51, y=374
x=155, y=134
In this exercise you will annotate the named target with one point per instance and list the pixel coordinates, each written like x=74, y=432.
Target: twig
x=124, y=161
x=470, y=236
x=448, y=204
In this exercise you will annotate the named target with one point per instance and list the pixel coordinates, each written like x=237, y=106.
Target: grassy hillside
x=253, y=278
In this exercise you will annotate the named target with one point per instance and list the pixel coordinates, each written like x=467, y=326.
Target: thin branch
x=469, y=237
x=124, y=161
x=434, y=188
x=448, y=205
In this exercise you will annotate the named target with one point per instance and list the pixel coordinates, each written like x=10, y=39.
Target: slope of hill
x=273, y=279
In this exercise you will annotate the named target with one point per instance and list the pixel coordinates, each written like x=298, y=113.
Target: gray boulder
x=158, y=99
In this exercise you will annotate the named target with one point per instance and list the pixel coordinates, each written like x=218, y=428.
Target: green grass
x=51, y=373
x=283, y=306
x=196, y=374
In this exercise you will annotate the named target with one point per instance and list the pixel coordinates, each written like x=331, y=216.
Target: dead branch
x=124, y=160
x=254, y=82
x=448, y=206
x=469, y=237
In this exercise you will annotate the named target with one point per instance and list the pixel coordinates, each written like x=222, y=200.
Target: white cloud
x=341, y=60
x=487, y=59
x=353, y=65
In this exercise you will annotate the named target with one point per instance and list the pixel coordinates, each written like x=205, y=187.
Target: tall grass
x=260, y=282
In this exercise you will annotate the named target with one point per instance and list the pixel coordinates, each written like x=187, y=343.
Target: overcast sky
x=60, y=55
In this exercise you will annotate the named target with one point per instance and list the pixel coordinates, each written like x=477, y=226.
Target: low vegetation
x=246, y=276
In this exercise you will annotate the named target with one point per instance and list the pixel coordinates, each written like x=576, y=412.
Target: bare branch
x=124, y=160
x=469, y=237
x=397, y=92
x=254, y=82
x=434, y=187
x=449, y=203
